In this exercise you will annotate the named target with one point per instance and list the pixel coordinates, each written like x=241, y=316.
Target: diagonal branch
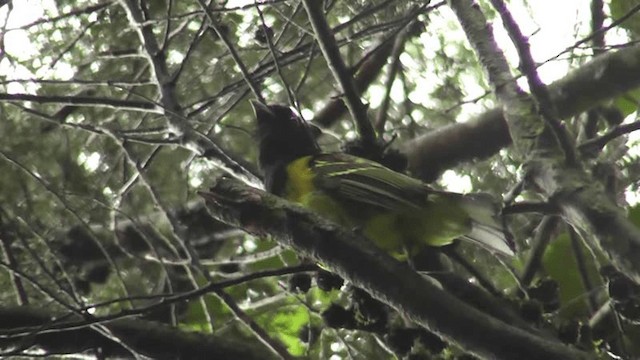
x=234, y=54
x=369, y=69
x=331, y=52
x=394, y=67
x=543, y=236
x=524, y=125
x=386, y=279
x=539, y=91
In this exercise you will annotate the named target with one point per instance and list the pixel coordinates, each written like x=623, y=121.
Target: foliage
x=115, y=114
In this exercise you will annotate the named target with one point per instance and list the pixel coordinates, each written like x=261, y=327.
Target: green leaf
x=286, y=325
x=560, y=264
x=620, y=8
x=195, y=319
x=628, y=103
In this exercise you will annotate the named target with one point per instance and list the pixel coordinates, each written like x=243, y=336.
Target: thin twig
x=530, y=207
x=289, y=57
x=8, y=257
x=173, y=298
x=75, y=213
x=598, y=143
x=367, y=69
x=482, y=280
x=595, y=34
x=117, y=83
x=167, y=299
x=73, y=13
x=173, y=222
x=84, y=101
x=272, y=50
x=83, y=313
x=167, y=26
x=234, y=54
x=199, y=35
x=171, y=108
x=75, y=40
x=275, y=345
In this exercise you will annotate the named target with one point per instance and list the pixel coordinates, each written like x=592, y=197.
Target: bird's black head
x=283, y=135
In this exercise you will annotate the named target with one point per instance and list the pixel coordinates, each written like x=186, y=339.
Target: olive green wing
x=362, y=181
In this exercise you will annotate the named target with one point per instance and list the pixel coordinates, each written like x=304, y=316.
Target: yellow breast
x=299, y=180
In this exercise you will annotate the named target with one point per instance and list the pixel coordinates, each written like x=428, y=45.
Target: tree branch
x=116, y=104
x=386, y=279
x=581, y=199
x=539, y=91
x=151, y=339
x=603, y=78
x=585, y=205
x=543, y=235
x=331, y=52
x=166, y=83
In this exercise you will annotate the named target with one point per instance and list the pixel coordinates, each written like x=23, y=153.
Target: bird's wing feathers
x=363, y=181
x=366, y=182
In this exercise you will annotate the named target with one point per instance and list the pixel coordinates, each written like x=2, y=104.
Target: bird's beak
x=261, y=110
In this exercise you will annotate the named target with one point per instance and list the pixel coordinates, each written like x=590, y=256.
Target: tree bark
x=386, y=279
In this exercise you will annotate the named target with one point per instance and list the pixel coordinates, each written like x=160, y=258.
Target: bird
x=398, y=213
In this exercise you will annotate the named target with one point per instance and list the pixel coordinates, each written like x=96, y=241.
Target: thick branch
x=606, y=77
x=388, y=280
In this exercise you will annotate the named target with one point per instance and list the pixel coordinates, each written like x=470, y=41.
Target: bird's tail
x=487, y=229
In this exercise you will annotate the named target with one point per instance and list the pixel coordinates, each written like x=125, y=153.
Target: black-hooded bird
x=398, y=213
